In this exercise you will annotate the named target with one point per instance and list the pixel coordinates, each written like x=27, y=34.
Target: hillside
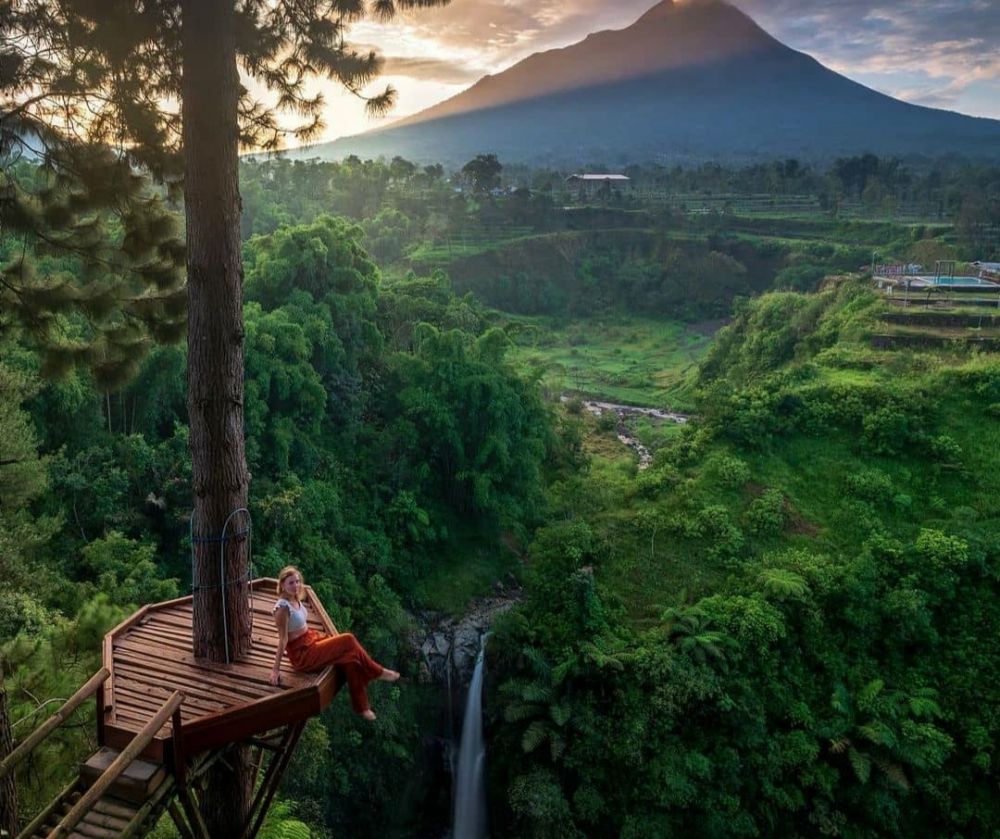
x=685, y=82
x=787, y=625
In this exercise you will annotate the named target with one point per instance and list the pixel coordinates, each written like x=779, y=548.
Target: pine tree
x=8, y=791
x=109, y=88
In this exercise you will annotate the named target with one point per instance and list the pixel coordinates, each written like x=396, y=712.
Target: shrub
x=946, y=450
x=869, y=485
x=766, y=515
x=607, y=421
x=732, y=472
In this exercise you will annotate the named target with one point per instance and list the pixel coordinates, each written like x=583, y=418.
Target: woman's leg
x=345, y=650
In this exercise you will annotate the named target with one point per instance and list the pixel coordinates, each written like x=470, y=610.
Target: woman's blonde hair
x=286, y=572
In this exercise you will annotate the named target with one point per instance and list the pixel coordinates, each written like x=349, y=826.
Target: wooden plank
x=314, y=600
x=107, y=822
x=172, y=683
x=152, y=696
x=129, y=621
x=136, y=649
x=205, y=691
x=114, y=809
x=247, y=680
x=136, y=718
x=95, y=832
x=119, y=736
x=264, y=639
x=238, y=724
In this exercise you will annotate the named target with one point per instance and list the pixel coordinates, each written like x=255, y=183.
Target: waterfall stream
x=470, y=775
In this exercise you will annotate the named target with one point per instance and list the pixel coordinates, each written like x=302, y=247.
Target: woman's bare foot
x=369, y=715
x=388, y=675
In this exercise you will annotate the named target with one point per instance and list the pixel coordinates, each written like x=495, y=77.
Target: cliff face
x=692, y=81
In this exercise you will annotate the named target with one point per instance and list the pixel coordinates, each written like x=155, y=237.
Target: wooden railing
x=46, y=728
x=119, y=765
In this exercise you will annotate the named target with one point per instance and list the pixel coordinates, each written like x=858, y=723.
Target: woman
x=309, y=650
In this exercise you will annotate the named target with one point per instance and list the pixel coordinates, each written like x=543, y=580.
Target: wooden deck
x=149, y=656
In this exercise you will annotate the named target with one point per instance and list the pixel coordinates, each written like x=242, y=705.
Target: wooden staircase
x=164, y=718
x=109, y=816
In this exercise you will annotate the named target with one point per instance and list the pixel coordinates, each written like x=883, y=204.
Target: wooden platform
x=149, y=656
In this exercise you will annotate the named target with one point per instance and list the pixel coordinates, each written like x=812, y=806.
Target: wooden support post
x=179, y=822
x=180, y=759
x=193, y=811
x=258, y=761
x=118, y=765
x=46, y=728
x=101, y=712
x=258, y=809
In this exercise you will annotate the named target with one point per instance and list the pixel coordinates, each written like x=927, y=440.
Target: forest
x=785, y=626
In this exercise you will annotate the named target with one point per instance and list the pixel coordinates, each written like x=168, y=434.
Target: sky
x=940, y=53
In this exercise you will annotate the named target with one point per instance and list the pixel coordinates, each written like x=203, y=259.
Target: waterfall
x=470, y=777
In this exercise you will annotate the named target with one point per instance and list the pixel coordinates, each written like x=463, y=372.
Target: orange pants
x=314, y=650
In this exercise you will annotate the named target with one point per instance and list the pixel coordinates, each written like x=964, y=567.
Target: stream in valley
x=626, y=412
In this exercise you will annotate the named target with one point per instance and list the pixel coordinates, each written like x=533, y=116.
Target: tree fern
x=783, y=584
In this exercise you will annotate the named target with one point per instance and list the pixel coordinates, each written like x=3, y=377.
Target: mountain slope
x=691, y=81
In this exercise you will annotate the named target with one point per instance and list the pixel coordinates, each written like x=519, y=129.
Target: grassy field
x=635, y=361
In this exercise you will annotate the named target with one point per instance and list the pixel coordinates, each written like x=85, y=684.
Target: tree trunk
x=8, y=790
x=210, y=94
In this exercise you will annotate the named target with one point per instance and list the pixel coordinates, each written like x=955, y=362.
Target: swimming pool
x=950, y=282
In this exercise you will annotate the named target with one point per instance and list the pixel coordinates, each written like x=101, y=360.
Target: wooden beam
x=238, y=723
x=46, y=728
x=193, y=811
x=269, y=787
x=179, y=758
x=179, y=822
x=50, y=808
x=119, y=765
x=165, y=790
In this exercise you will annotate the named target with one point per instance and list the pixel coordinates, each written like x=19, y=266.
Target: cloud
x=430, y=69
x=948, y=42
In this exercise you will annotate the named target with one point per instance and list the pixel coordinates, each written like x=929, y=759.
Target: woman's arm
x=281, y=621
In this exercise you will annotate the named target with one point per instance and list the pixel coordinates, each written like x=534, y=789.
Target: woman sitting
x=310, y=651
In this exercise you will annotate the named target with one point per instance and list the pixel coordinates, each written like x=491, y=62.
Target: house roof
x=598, y=177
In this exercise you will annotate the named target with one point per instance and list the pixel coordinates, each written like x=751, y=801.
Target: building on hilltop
x=590, y=183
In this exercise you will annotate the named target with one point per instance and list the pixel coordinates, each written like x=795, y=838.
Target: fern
x=278, y=825
x=860, y=763
x=878, y=733
x=783, y=584
x=560, y=714
x=534, y=735
x=869, y=693
x=520, y=711
x=841, y=700
x=556, y=746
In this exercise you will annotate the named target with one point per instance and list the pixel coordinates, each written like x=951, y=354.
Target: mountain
x=690, y=81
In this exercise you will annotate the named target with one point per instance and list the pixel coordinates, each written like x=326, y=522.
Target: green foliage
x=766, y=515
x=808, y=661
x=125, y=570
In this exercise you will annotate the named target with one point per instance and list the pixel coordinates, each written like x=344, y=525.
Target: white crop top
x=296, y=616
